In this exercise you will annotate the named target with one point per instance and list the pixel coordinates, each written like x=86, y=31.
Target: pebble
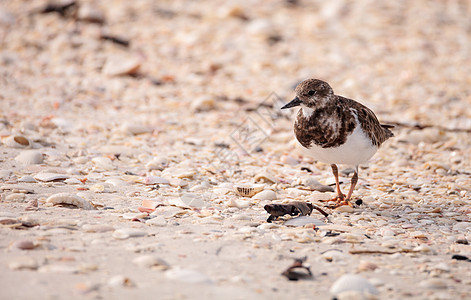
x=104, y=163
x=135, y=129
x=353, y=282
x=187, y=276
x=150, y=261
x=265, y=195
x=24, y=245
x=30, y=157
x=125, y=233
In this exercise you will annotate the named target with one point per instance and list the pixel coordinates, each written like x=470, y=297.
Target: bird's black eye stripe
x=311, y=92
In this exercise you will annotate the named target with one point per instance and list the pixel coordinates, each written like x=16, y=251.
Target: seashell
x=265, y=177
x=149, y=261
x=120, y=280
x=132, y=216
x=116, y=182
x=265, y=195
x=46, y=176
x=157, y=221
x=248, y=190
x=72, y=181
x=158, y=163
x=155, y=180
x=187, y=276
x=433, y=283
x=121, y=65
x=30, y=157
x=344, y=208
x=303, y=221
x=23, y=263
x=135, y=129
x=188, y=200
x=352, y=282
x=15, y=197
x=237, y=203
x=58, y=269
x=203, y=103
x=97, y=228
x=90, y=13
x=104, y=163
x=366, y=266
x=71, y=199
x=125, y=233
x=17, y=141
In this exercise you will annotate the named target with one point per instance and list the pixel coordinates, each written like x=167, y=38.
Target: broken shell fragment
x=297, y=270
x=46, y=177
x=30, y=157
x=248, y=190
x=70, y=199
x=265, y=177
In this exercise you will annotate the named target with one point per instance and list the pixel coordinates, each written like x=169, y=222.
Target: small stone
x=135, y=129
x=24, y=245
x=352, y=282
x=30, y=157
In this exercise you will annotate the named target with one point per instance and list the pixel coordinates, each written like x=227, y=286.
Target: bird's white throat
x=307, y=112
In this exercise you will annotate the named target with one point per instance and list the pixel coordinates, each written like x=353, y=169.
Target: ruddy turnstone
x=336, y=130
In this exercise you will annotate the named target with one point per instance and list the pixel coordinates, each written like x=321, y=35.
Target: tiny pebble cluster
x=141, y=140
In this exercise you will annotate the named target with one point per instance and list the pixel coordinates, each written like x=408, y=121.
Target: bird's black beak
x=293, y=103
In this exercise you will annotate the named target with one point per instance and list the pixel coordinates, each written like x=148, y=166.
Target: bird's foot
x=339, y=200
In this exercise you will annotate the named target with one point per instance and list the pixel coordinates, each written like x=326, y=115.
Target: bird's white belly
x=357, y=149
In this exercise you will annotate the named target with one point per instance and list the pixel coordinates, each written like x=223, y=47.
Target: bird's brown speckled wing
x=369, y=123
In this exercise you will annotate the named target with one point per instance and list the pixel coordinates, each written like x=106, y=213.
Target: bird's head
x=311, y=93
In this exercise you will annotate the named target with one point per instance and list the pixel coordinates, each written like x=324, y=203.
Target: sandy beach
x=130, y=131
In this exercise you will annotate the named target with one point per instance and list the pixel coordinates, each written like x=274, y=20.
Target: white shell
x=17, y=141
x=155, y=180
x=264, y=176
x=149, y=261
x=265, y=195
x=186, y=275
x=248, y=190
x=30, y=157
x=352, y=282
x=66, y=198
x=27, y=178
x=45, y=176
x=124, y=233
x=303, y=220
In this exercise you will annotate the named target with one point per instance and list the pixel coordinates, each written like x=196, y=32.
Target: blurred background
x=407, y=60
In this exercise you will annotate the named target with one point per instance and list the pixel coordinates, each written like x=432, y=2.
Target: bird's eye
x=311, y=92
